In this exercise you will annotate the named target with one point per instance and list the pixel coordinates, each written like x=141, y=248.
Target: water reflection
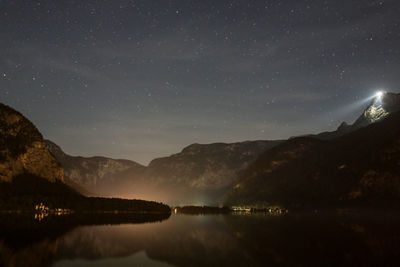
x=212, y=240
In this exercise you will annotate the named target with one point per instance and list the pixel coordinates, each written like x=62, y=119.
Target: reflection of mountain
x=198, y=241
x=309, y=239
x=27, y=242
x=229, y=240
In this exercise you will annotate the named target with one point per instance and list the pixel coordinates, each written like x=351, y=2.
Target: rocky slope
x=92, y=173
x=29, y=174
x=211, y=166
x=197, y=173
x=202, y=173
x=22, y=149
x=361, y=168
x=380, y=108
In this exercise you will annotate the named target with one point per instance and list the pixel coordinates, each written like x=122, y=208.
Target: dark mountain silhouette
x=199, y=173
x=22, y=149
x=202, y=173
x=377, y=110
x=360, y=168
x=92, y=175
x=210, y=166
x=29, y=174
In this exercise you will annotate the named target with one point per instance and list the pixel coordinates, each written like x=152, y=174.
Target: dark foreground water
x=306, y=239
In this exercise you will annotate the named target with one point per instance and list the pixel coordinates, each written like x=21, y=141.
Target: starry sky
x=143, y=79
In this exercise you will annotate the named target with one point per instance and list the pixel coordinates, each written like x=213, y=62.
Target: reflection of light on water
x=40, y=216
x=42, y=211
x=250, y=210
x=138, y=259
x=211, y=240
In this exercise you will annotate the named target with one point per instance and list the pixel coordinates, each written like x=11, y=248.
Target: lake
x=294, y=239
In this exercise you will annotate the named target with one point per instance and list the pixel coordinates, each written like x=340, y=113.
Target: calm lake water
x=313, y=239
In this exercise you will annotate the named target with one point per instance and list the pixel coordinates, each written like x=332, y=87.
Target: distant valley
x=353, y=165
x=224, y=173
x=198, y=174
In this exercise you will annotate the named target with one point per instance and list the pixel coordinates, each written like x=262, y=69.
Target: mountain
x=23, y=150
x=380, y=107
x=29, y=174
x=209, y=166
x=93, y=174
x=360, y=168
x=28, y=171
x=202, y=173
x=199, y=173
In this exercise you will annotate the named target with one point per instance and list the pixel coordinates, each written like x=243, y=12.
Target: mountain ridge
x=22, y=149
x=379, y=108
x=90, y=171
x=199, y=172
x=358, y=168
x=30, y=176
x=180, y=174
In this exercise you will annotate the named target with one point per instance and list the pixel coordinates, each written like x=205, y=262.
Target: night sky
x=143, y=79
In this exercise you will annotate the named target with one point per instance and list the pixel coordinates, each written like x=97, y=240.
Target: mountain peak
x=54, y=149
x=344, y=125
x=380, y=108
x=22, y=149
